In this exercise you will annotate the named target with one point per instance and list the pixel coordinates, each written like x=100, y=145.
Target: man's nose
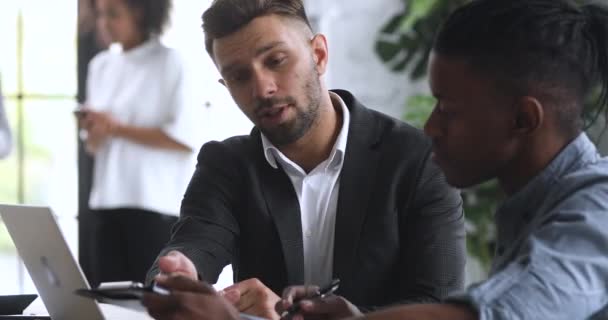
x=264, y=85
x=431, y=127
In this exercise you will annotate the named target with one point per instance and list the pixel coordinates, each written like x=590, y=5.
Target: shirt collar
x=526, y=201
x=336, y=157
x=140, y=51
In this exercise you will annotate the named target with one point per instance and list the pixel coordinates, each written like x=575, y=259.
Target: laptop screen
x=49, y=262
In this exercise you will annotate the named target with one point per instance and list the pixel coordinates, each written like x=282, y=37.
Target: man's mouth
x=273, y=115
x=436, y=154
x=271, y=111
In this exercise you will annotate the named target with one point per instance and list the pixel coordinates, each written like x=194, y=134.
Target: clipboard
x=122, y=290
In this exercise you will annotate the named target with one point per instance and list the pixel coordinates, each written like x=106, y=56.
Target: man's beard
x=289, y=132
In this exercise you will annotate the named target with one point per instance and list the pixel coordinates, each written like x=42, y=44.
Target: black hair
x=155, y=15
x=553, y=49
x=225, y=17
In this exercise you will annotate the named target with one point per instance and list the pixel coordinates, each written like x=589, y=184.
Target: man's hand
x=330, y=307
x=253, y=297
x=189, y=300
x=176, y=262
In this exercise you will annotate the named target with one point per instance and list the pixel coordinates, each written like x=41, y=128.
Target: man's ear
x=529, y=116
x=320, y=52
x=222, y=82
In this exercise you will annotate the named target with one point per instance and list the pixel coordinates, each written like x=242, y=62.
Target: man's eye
x=238, y=77
x=274, y=62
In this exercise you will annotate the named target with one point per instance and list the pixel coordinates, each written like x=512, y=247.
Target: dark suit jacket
x=399, y=234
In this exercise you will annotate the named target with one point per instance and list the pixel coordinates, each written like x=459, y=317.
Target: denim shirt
x=552, y=244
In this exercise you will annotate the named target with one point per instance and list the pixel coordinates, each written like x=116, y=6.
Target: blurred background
x=377, y=48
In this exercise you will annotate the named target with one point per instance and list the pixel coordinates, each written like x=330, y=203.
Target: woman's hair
x=154, y=14
x=225, y=17
x=555, y=50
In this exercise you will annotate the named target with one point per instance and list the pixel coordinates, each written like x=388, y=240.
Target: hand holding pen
x=301, y=301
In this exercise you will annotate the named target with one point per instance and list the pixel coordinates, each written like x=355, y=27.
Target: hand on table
x=254, y=298
x=189, y=300
x=330, y=307
x=176, y=262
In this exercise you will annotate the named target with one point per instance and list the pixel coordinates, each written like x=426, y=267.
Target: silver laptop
x=49, y=262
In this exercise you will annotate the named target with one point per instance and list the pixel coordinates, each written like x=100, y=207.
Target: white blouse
x=145, y=87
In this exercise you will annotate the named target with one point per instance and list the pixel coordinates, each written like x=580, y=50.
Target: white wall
x=351, y=27
x=220, y=117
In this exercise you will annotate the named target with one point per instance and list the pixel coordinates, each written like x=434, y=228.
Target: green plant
x=407, y=38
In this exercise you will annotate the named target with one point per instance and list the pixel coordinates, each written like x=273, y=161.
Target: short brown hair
x=225, y=17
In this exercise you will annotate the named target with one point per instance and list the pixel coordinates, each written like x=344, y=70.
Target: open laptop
x=52, y=267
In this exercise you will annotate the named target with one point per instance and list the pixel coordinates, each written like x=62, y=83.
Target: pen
x=322, y=293
x=155, y=288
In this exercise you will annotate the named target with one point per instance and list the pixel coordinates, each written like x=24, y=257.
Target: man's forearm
x=421, y=299
x=153, y=137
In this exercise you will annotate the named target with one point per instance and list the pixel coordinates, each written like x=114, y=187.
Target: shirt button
x=308, y=234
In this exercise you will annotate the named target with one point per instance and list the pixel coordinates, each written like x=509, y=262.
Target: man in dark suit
x=322, y=188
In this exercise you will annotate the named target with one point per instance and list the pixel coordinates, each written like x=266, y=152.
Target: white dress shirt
x=145, y=87
x=317, y=194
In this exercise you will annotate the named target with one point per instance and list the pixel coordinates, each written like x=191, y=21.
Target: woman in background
x=141, y=131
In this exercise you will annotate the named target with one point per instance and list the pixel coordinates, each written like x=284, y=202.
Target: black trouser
x=126, y=242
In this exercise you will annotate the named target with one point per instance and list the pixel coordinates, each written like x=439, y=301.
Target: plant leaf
x=387, y=50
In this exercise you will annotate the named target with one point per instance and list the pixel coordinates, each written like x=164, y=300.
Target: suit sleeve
x=207, y=229
x=433, y=241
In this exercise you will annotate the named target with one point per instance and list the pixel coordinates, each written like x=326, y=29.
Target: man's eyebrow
x=268, y=47
x=258, y=52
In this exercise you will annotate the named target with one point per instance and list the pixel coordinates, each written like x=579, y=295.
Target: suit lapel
x=356, y=185
x=284, y=207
